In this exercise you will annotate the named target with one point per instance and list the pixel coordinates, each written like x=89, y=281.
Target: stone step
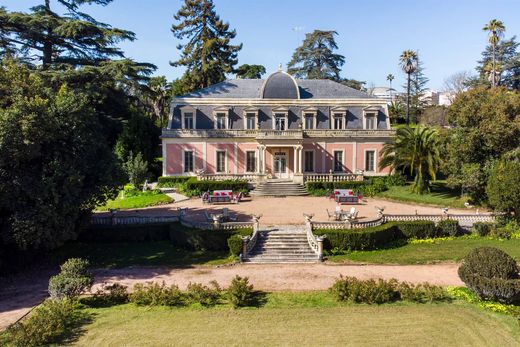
x=287, y=244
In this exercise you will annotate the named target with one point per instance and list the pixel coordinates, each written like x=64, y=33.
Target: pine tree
x=74, y=38
x=207, y=53
x=507, y=64
x=315, y=58
x=250, y=71
x=418, y=82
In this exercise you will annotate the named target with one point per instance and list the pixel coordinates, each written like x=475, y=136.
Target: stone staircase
x=285, y=244
x=280, y=188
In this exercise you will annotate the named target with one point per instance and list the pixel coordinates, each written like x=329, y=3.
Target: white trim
x=184, y=160
x=191, y=110
x=313, y=160
x=361, y=102
x=225, y=160
x=334, y=158
x=248, y=111
x=310, y=113
x=284, y=150
x=256, y=160
x=354, y=157
x=373, y=112
x=280, y=111
x=217, y=113
x=236, y=159
x=365, y=160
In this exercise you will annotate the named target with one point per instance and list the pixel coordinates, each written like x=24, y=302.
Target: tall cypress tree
x=207, y=53
x=74, y=38
x=315, y=58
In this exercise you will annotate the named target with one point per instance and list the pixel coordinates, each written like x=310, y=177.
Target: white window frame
x=339, y=111
x=366, y=117
x=225, y=161
x=280, y=112
x=334, y=159
x=370, y=111
x=365, y=160
x=313, y=160
x=184, y=160
x=249, y=111
x=309, y=112
x=217, y=112
x=256, y=161
x=191, y=110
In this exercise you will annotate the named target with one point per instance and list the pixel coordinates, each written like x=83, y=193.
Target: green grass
x=440, y=195
x=146, y=199
x=300, y=319
x=426, y=253
x=118, y=255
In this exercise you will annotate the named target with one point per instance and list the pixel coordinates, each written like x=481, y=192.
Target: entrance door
x=280, y=165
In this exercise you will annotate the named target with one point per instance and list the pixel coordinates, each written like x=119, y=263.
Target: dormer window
x=250, y=118
x=338, y=117
x=370, y=121
x=188, y=118
x=338, y=121
x=309, y=118
x=221, y=118
x=280, y=118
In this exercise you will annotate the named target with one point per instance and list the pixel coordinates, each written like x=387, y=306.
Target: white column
x=295, y=167
x=300, y=164
x=263, y=159
x=236, y=158
x=354, y=164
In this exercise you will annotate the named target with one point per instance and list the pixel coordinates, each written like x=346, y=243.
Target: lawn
x=440, y=195
x=118, y=255
x=302, y=319
x=427, y=253
x=137, y=200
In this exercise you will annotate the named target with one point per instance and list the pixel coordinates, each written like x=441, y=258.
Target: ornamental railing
x=348, y=133
x=463, y=219
x=331, y=177
x=263, y=134
x=250, y=177
x=339, y=225
x=130, y=220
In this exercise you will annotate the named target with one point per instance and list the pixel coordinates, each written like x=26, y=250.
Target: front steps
x=279, y=188
x=282, y=245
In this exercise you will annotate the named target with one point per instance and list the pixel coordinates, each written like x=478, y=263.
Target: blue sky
x=372, y=33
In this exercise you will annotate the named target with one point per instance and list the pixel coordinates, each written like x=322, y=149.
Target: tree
x=507, y=64
x=456, y=84
x=315, y=58
x=486, y=126
x=415, y=150
x=139, y=135
x=160, y=93
x=434, y=115
x=250, y=71
x=207, y=54
x=503, y=188
x=55, y=164
x=74, y=38
x=417, y=90
x=137, y=169
x=408, y=62
x=352, y=83
x=390, y=78
x=496, y=31
x=396, y=111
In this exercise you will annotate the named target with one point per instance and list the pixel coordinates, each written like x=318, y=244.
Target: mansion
x=278, y=127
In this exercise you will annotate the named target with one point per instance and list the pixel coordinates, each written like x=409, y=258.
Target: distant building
x=385, y=93
x=434, y=97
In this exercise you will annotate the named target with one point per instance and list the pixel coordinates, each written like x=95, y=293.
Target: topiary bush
x=73, y=279
x=369, y=292
x=198, y=293
x=482, y=228
x=491, y=274
x=449, y=227
x=155, y=294
x=235, y=245
x=240, y=292
x=420, y=229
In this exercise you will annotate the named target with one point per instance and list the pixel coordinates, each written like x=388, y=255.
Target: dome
x=280, y=85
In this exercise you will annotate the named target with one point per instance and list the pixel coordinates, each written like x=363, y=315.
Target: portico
x=280, y=161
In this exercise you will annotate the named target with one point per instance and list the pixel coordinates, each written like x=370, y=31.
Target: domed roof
x=280, y=85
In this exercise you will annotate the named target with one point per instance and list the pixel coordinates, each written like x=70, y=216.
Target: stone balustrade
x=249, y=177
x=332, y=177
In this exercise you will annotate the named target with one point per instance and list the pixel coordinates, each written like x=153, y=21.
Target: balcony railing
x=266, y=134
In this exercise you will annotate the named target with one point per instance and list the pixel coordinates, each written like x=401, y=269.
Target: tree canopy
x=250, y=71
x=206, y=52
x=315, y=58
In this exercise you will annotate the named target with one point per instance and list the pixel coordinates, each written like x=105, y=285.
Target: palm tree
x=415, y=150
x=408, y=62
x=390, y=78
x=496, y=31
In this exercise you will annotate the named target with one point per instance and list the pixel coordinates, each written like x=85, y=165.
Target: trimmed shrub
x=369, y=292
x=421, y=293
x=155, y=294
x=395, y=179
x=360, y=239
x=171, y=181
x=420, y=229
x=46, y=324
x=194, y=187
x=113, y=294
x=491, y=274
x=198, y=293
x=500, y=233
x=73, y=279
x=235, y=245
x=240, y=292
x=449, y=227
x=482, y=228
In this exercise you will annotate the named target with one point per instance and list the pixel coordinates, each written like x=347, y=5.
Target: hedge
x=420, y=229
x=360, y=239
x=187, y=238
x=194, y=187
x=171, y=181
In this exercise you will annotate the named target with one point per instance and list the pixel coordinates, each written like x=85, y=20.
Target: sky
x=371, y=33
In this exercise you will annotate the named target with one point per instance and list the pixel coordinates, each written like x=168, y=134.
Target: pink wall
x=347, y=156
x=361, y=148
x=242, y=161
x=174, y=159
x=211, y=156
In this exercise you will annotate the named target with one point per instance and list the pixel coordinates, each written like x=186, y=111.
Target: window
x=221, y=161
x=308, y=161
x=370, y=121
x=188, y=121
x=309, y=121
x=188, y=161
x=279, y=122
x=250, y=161
x=338, y=121
x=338, y=161
x=370, y=157
x=250, y=121
x=221, y=120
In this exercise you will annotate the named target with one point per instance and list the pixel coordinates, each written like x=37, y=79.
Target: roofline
x=278, y=102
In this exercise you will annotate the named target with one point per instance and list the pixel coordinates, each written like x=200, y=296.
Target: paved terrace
x=288, y=210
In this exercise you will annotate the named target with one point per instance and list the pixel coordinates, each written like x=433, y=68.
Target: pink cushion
x=216, y=193
x=336, y=192
x=350, y=193
x=230, y=193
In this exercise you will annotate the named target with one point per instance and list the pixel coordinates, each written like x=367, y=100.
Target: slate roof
x=251, y=89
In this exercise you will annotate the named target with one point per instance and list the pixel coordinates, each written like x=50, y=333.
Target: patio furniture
x=220, y=196
x=207, y=216
x=237, y=197
x=345, y=196
x=205, y=198
x=330, y=215
x=226, y=217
